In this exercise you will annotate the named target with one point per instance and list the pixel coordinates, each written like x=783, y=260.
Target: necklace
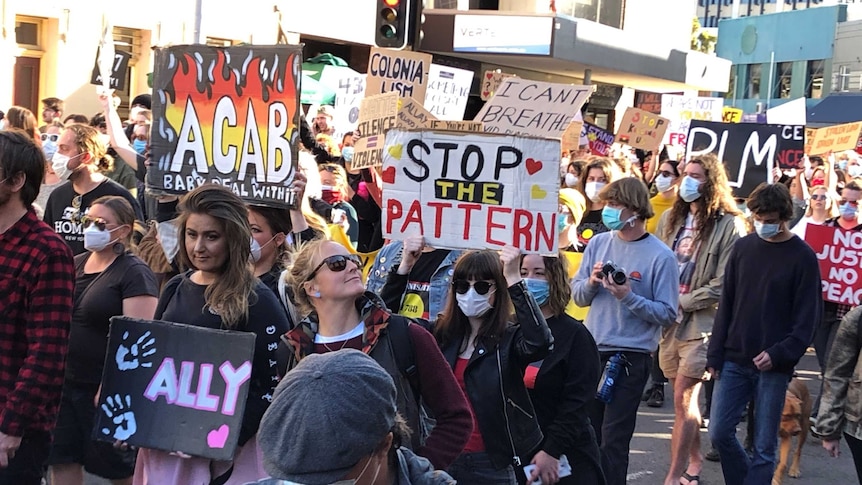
x=339, y=348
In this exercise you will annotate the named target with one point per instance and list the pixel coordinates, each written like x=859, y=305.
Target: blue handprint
x=121, y=415
x=129, y=358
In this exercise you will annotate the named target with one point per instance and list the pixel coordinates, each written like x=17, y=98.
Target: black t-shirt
x=590, y=225
x=98, y=297
x=415, y=301
x=62, y=216
x=183, y=301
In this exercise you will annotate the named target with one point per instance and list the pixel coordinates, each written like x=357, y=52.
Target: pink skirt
x=156, y=467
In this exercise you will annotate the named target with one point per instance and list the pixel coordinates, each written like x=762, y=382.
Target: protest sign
x=404, y=72
x=789, y=113
x=464, y=126
x=119, y=66
x=463, y=191
x=226, y=115
x=838, y=253
x=809, y=138
x=572, y=136
x=533, y=108
x=491, y=82
x=681, y=110
x=835, y=138
x=412, y=115
x=349, y=91
x=448, y=91
x=648, y=101
x=731, y=115
x=642, y=129
x=148, y=398
x=377, y=114
x=748, y=151
x=599, y=140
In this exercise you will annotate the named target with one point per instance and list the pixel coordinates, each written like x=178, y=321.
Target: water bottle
x=615, y=365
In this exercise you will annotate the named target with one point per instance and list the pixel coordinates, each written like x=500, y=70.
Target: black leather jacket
x=494, y=379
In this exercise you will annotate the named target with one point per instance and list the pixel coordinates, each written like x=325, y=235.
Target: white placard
x=471, y=191
x=680, y=110
x=533, y=108
x=789, y=113
x=448, y=90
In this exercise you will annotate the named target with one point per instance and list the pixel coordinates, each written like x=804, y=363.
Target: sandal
x=690, y=478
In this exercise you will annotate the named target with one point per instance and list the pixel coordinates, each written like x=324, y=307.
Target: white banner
x=680, y=110
x=448, y=90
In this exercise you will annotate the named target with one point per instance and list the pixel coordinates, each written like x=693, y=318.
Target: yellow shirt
x=659, y=205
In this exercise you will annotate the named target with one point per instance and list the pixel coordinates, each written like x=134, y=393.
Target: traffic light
x=394, y=23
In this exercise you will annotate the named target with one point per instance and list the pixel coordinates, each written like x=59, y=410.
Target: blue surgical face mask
x=540, y=289
x=562, y=222
x=848, y=211
x=689, y=190
x=854, y=170
x=766, y=231
x=140, y=146
x=49, y=148
x=347, y=154
x=611, y=218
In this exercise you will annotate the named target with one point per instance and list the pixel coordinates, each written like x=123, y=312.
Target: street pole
x=197, y=32
x=771, y=69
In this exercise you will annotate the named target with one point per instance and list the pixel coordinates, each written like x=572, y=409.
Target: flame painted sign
x=228, y=116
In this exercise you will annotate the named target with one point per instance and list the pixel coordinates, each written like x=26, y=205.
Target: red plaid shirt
x=37, y=276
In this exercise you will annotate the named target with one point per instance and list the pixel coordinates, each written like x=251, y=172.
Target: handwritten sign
x=572, y=136
x=464, y=191
x=463, y=126
x=448, y=91
x=413, y=115
x=835, y=138
x=642, y=129
x=748, y=151
x=533, y=108
x=226, y=115
x=681, y=110
x=599, y=140
x=491, y=82
x=118, y=69
x=349, y=91
x=155, y=381
x=731, y=115
x=404, y=72
x=838, y=252
x=377, y=115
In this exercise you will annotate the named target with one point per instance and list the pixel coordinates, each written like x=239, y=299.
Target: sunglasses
x=481, y=287
x=818, y=197
x=50, y=136
x=100, y=223
x=851, y=202
x=336, y=264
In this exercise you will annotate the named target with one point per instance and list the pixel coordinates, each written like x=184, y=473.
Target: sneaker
x=647, y=393
x=656, y=398
x=712, y=455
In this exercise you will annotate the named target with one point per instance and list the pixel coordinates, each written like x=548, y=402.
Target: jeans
x=735, y=386
x=477, y=468
x=614, y=423
x=30, y=462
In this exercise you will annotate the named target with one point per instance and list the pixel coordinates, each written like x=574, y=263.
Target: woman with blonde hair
x=219, y=292
x=598, y=173
x=821, y=207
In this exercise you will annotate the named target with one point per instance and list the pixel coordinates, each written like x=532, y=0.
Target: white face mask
x=592, y=190
x=256, y=247
x=473, y=304
x=571, y=180
x=168, y=238
x=663, y=183
x=60, y=164
x=96, y=239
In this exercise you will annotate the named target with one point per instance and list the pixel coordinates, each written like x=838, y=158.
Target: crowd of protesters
x=424, y=365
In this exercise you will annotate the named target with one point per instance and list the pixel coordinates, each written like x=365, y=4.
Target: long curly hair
x=715, y=200
x=232, y=293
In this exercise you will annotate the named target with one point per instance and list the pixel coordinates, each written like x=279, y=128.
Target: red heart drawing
x=533, y=166
x=489, y=75
x=388, y=175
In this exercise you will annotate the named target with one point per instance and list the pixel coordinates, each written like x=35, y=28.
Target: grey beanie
x=327, y=413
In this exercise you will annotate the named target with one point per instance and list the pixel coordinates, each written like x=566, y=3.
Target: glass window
x=814, y=80
x=752, y=85
x=783, y=75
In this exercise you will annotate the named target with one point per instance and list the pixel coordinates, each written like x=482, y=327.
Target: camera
x=614, y=272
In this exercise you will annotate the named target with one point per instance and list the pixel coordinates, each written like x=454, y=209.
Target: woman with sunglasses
x=219, y=292
x=109, y=281
x=562, y=383
x=327, y=285
x=821, y=208
x=488, y=354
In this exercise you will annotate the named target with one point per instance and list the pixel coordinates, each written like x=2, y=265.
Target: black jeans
x=856, y=450
x=656, y=374
x=30, y=462
x=614, y=423
x=824, y=335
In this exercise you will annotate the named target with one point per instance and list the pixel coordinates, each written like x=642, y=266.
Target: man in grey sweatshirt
x=625, y=317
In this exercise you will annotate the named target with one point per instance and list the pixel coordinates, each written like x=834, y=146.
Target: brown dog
x=794, y=422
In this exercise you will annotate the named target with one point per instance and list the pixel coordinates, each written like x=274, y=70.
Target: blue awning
x=836, y=109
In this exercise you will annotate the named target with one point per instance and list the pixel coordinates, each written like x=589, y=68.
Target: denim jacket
x=388, y=260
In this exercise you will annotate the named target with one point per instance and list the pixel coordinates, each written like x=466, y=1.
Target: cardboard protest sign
x=533, y=108
x=412, y=115
x=463, y=126
x=748, y=151
x=226, y=115
x=599, y=140
x=155, y=382
x=838, y=253
x=809, y=139
x=119, y=67
x=404, y=72
x=491, y=82
x=448, y=91
x=642, y=129
x=572, y=136
x=377, y=115
x=731, y=115
x=681, y=110
x=464, y=191
x=835, y=138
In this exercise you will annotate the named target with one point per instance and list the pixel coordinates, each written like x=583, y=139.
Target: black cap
x=145, y=100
